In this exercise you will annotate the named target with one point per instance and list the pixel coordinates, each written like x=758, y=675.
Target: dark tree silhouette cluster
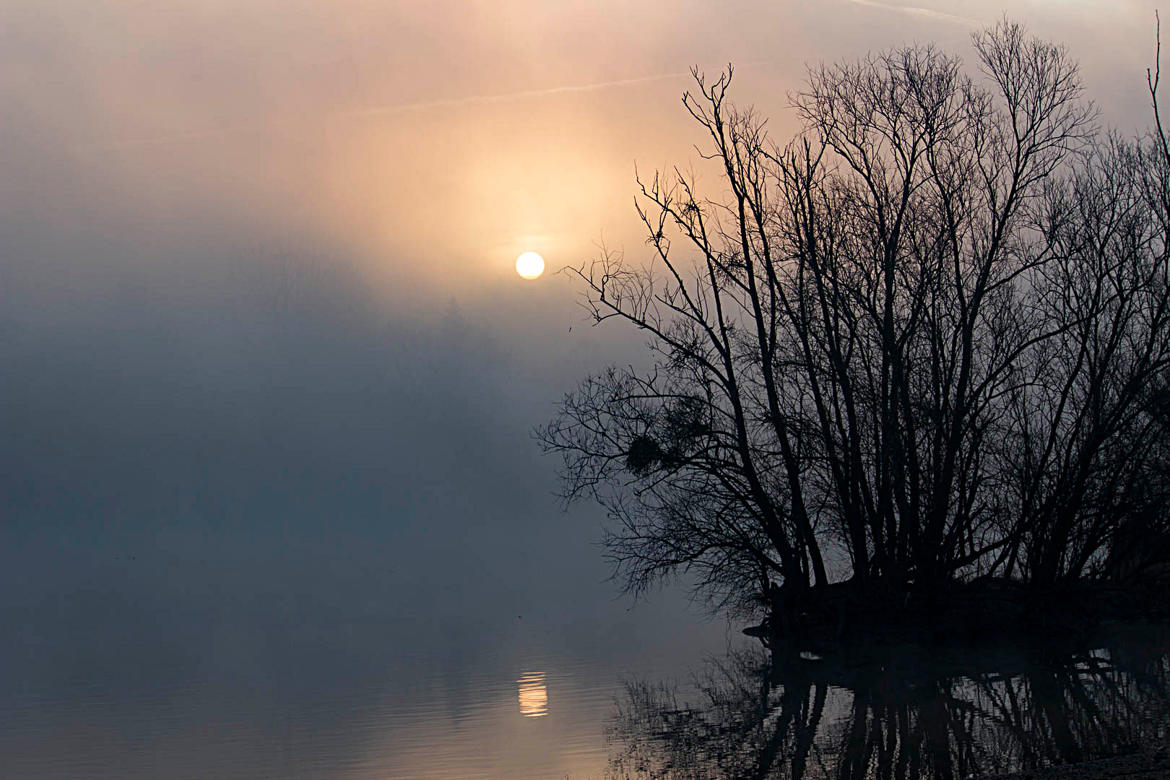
x=924, y=342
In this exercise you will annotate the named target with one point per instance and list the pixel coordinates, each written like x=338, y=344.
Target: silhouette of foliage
x=925, y=341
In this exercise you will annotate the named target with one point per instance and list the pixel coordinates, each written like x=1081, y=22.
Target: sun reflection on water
x=533, y=695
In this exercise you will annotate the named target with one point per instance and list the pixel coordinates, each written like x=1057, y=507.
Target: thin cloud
x=925, y=13
x=403, y=108
x=508, y=97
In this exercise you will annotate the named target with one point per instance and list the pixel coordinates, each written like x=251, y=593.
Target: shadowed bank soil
x=847, y=617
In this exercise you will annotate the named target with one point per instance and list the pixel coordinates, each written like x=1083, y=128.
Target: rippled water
x=904, y=712
x=149, y=668
x=252, y=652
x=486, y=716
x=141, y=669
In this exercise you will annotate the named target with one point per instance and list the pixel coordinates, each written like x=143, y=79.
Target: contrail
x=507, y=97
x=928, y=13
x=402, y=108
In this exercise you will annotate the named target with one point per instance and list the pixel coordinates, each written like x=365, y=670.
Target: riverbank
x=844, y=617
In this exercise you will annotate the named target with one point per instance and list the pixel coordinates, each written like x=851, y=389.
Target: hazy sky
x=267, y=376
x=426, y=142
x=256, y=256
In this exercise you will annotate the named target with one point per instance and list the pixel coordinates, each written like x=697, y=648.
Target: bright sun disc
x=530, y=265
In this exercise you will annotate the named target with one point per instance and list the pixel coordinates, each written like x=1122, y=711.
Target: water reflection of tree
x=908, y=715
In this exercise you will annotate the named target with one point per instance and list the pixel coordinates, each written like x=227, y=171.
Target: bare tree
x=917, y=344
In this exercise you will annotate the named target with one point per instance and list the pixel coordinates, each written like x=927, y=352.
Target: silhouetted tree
x=919, y=343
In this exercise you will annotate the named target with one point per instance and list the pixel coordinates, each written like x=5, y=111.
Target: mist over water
x=269, y=501
x=262, y=527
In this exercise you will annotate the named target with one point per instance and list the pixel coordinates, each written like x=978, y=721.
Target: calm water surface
x=906, y=712
x=174, y=662
x=147, y=664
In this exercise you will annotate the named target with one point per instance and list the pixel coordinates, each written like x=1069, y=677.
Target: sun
x=530, y=265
